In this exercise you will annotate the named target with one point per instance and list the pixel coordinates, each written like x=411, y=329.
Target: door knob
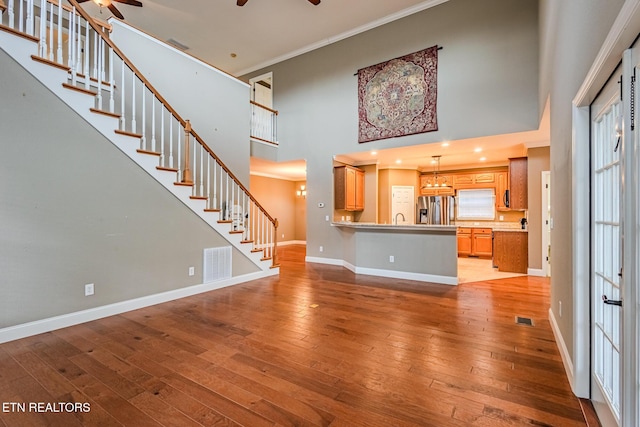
x=611, y=302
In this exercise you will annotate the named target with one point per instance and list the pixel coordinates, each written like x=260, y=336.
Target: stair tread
x=224, y=221
x=49, y=62
x=184, y=184
x=198, y=197
x=246, y=241
x=212, y=210
x=105, y=113
x=18, y=33
x=236, y=232
x=125, y=133
x=153, y=153
x=162, y=168
x=79, y=89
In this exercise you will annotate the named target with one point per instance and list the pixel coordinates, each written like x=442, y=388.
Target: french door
x=614, y=248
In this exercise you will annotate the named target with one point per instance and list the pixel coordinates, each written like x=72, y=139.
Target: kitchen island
x=426, y=253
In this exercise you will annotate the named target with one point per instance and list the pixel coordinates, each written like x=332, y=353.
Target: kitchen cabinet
x=474, y=180
x=348, y=188
x=502, y=185
x=481, y=244
x=474, y=242
x=464, y=241
x=510, y=251
x=518, y=183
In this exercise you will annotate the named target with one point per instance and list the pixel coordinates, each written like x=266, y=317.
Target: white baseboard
x=564, y=352
x=394, y=274
x=292, y=242
x=431, y=278
x=536, y=272
x=46, y=325
x=329, y=261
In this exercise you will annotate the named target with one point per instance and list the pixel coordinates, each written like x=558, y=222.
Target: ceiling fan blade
x=115, y=11
x=130, y=2
x=82, y=1
x=241, y=2
x=314, y=2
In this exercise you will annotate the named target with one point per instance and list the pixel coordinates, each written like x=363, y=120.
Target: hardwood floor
x=317, y=346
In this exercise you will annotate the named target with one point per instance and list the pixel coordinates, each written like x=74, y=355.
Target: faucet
x=403, y=218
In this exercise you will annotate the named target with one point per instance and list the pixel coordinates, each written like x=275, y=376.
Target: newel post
x=274, y=260
x=186, y=174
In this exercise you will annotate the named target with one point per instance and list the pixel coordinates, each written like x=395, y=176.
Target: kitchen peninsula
x=425, y=253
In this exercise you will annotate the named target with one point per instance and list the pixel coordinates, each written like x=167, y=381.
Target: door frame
x=546, y=223
x=620, y=37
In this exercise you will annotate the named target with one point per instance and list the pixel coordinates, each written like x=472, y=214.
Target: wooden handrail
x=166, y=104
x=264, y=107
x=3, y=6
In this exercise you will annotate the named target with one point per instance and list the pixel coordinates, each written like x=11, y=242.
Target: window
x=476, y=204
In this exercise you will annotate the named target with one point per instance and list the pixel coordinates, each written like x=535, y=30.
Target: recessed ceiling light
x=398, y=161
x=482, y=159
x=233, y=55
x=445, y=144
x=477, y=150
x=373, y=153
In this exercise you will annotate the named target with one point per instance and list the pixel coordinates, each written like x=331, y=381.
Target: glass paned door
x=606, y=193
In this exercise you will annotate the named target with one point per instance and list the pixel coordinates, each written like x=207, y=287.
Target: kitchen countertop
x=391, y=227
x=511, y=230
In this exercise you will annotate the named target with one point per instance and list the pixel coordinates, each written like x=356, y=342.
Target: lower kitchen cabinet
x=474, y=242
x=511, y=251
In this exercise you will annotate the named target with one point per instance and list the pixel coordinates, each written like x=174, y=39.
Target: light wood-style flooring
x=316, y=346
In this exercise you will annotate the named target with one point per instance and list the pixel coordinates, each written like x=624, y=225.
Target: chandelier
x=436, y=182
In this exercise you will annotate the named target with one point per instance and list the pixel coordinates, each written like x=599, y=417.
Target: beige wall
x=278, y=197
x=387, y=179
x=538, y=162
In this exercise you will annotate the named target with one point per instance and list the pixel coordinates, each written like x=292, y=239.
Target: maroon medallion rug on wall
x=398, y=97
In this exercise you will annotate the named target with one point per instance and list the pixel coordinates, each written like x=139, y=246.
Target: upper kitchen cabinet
x=502, y=185
x=348, y=188
x=518, y=185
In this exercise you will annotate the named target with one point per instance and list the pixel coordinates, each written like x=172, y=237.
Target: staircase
x=71, y=54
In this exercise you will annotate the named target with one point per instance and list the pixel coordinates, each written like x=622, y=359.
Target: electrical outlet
x=89, y=289
x=501, y=217
x=321, y=248
x=392, y=258
x=192, y=271
x=326, y=217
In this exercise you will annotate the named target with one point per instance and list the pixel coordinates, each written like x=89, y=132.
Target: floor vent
x=524, y=321
x=217, y=264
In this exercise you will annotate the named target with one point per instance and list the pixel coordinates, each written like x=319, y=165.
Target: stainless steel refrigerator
x=436, y=210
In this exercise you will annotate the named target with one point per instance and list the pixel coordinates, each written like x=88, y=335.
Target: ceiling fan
x=109, y=5
x=243, y=2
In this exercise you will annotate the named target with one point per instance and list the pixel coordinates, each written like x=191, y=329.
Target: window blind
x=476, y=204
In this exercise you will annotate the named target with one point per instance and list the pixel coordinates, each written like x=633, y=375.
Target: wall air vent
x=175, y=43
x=217, y=264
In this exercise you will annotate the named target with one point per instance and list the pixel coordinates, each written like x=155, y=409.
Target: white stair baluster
x=214, y=201
x=143, y=131
x=153, y=129
x=72, y=47
x=112, y=82
x=180, y=131
x=133, y=102
x=209, y=181
x=94, y=72
x=59, y=58
x=50, y=51
x=194, y=187
x=99, y=74
x=123, y=121
x=201, y=170
x=20, y=15
x=171, y=120
x=87, y=55
x=162, y=157
x=10, y=14
x=30, y=28
x=42, y=51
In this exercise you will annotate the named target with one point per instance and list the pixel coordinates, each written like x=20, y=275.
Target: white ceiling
x=264, y=32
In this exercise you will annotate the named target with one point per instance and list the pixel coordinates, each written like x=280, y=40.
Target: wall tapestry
x=398, y=97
